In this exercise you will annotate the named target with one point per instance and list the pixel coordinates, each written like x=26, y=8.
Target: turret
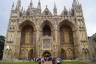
x=65, y=11
x=55, y=10
x=39, y=5
x=12, y=6
x=30, y=6
x=74, y=4
x=18, y=5
x=76, y=8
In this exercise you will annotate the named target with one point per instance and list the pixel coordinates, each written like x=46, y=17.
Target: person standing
x=58, y=61
x=53, y=61
x=42, y=61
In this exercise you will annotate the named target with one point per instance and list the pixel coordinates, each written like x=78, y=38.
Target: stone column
x=56, y=42
x=18, y=45
x=37, y=40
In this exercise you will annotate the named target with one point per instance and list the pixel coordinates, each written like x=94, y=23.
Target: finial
x=31, y=3
x=13, y=5
x=75, y=2
x=65, y=9
x=46, y=6
x=39, y=5
x=39, y=0
x=22, y=8
x=55, y=9
x=54, y=4
x=18, y=5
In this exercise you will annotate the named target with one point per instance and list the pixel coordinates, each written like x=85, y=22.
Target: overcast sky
x=89, y=10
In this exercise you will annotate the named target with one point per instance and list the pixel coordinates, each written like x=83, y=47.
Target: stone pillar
x=37, y=41
x=76, y=44
x=56, y=42
x=77, y=35
x=18, y=45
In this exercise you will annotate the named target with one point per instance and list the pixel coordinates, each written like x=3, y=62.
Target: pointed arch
x=67, y=22
x=47, y=28
x=28, y=37
x=46, y=12
x=27, y=22
x=46, y=54
x=31, y=54
x=63, y=53
x=66, y=32
x=66, y=36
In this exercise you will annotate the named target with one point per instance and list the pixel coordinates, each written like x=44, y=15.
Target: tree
x=2, y=40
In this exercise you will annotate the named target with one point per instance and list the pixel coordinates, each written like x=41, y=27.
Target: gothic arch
x=47, y=22
x=46, y=53
x=69, y=23
x=27, y=22
x=31, y=54
x=28, y=37
x=63, y=53
x=47, y=28
x=66, y=32
x=70, y=53
x=66, y=35
x=85, y=51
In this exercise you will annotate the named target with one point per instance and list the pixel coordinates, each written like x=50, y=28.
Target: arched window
x=30, y=54
x=46, y=30
x=66, y=34
x=63, y=54
x=86, y=51
x=27, y=35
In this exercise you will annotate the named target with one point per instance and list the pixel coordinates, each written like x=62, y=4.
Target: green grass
x=65, y=62
x=73, y=62
x=19, y=63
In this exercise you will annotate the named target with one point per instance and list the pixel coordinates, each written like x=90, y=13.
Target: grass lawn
x=73, y=62
x=65, y=62
x=19, y=63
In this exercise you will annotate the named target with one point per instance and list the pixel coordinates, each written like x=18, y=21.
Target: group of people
x=44, y=59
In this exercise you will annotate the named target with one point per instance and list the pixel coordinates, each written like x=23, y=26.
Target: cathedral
x=35, y=33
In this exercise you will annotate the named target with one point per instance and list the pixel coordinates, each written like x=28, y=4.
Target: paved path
x=48, y=62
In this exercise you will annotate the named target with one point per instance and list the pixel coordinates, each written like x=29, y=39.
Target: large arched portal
x=66, y=39
x=46, y=54
x=27, y=40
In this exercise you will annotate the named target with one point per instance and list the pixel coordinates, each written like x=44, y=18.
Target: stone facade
x=92, y=46
x=33, y=33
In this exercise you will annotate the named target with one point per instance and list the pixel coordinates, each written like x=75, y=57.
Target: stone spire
x=22, y=9
x=55, y=9
x=13, y=6
x=46, y=11
x=39, y=5
x=31, y=4
x=65, y=11
x=18, y=5
x=75, y=3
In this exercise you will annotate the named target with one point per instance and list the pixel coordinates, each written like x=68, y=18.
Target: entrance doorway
x=46, y=54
